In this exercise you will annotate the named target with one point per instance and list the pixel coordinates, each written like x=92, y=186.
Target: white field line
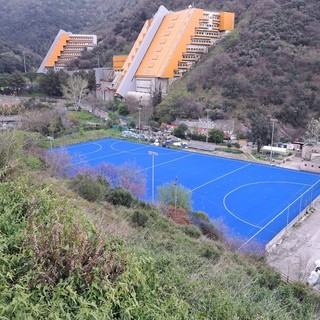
x=279, y=214
x=220, y=177
x=248, y=184
x=113, y=154
x=159, y=165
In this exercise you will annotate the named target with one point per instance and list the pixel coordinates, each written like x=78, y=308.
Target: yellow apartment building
x=167, y=47
x=66, y=47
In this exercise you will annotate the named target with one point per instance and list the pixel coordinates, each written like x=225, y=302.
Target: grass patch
x=82, y=136
x=84, y=117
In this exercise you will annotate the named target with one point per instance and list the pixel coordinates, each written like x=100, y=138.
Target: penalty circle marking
x=249, y=184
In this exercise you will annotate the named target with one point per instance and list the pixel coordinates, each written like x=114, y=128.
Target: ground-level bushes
x=56, y=263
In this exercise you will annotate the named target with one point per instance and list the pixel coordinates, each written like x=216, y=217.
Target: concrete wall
x=310, y=166
x=309, y=149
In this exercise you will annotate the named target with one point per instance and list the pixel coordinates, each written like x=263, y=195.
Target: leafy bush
x=140, y=218
x=199, y=216
x=192, y=231
x=120, y=196
x=211, y=253
x=89, y=187
x=175, y=195
x=34, y=162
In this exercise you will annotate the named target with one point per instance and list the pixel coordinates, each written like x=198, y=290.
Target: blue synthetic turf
x=250, y=198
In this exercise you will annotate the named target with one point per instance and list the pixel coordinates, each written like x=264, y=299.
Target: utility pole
x=24, y=61
x=272, y=133
x=175, y=194
x=139, y=109
x=208, y=110
x=152, y=154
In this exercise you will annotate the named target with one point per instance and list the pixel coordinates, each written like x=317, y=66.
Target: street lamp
x=24, y=61
x=272, y=132
x=139, y=109
x=175, y=193
x=152, y=154
x=208, y=110
x=51, y=141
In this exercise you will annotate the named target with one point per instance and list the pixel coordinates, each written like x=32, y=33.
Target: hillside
x=66, y=257
x=268, y=67
x=32, y=25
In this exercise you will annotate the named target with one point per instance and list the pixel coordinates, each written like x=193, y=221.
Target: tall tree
x=260, y=130
x=51, y=83
x=18, y=82
x=75, y=89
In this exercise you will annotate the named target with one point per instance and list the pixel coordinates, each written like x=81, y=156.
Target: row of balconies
x=207, y=33
x=208, y=26
x=210, y=17
x=205, y=42
x=72, y=49
x=81, y=38
x=190, y=57
x=71, y=43
x=68, y=54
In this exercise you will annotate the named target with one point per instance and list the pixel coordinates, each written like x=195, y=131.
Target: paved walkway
x=299, y=249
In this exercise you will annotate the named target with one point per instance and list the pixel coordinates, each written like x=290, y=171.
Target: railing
x=289, y=215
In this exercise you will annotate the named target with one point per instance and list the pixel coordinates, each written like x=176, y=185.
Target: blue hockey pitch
x=254, y=201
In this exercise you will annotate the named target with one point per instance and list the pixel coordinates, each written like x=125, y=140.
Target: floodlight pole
x=175, y=193
x=272, y=133
x=139, y=121
x=152, y=154
x=207, y=132
x=24, y=61
x=51, y=141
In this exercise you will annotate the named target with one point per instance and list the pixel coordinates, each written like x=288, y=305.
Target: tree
x=260, y=130
x=51, y=83
x=123, y=109
x=180, y=131
x=313, y=130
x=157, y=96
x=75, y=89
x=215, y=136
x=175, y=195
x=18, y=82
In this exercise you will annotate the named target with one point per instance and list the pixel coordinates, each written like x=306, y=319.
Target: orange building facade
x=168, y=46
x=66, y=47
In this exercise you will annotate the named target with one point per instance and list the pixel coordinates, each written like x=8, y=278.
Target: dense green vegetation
x=81, y=248
x=267, y=67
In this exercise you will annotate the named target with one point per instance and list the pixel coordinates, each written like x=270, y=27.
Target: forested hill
x=269, y=63
x=31, y=25
x=269, y=66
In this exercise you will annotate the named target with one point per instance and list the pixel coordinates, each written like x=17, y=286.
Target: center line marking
x=215, y=179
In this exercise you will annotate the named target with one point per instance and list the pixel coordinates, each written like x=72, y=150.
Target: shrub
x=119, y=196
x=199, y=216
x=192, y=231
x=34, y=162
x=140, y=218
x=211, y=253
x=175, y=195
x=179, y=215
x=89, y=187
x=268, y=278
